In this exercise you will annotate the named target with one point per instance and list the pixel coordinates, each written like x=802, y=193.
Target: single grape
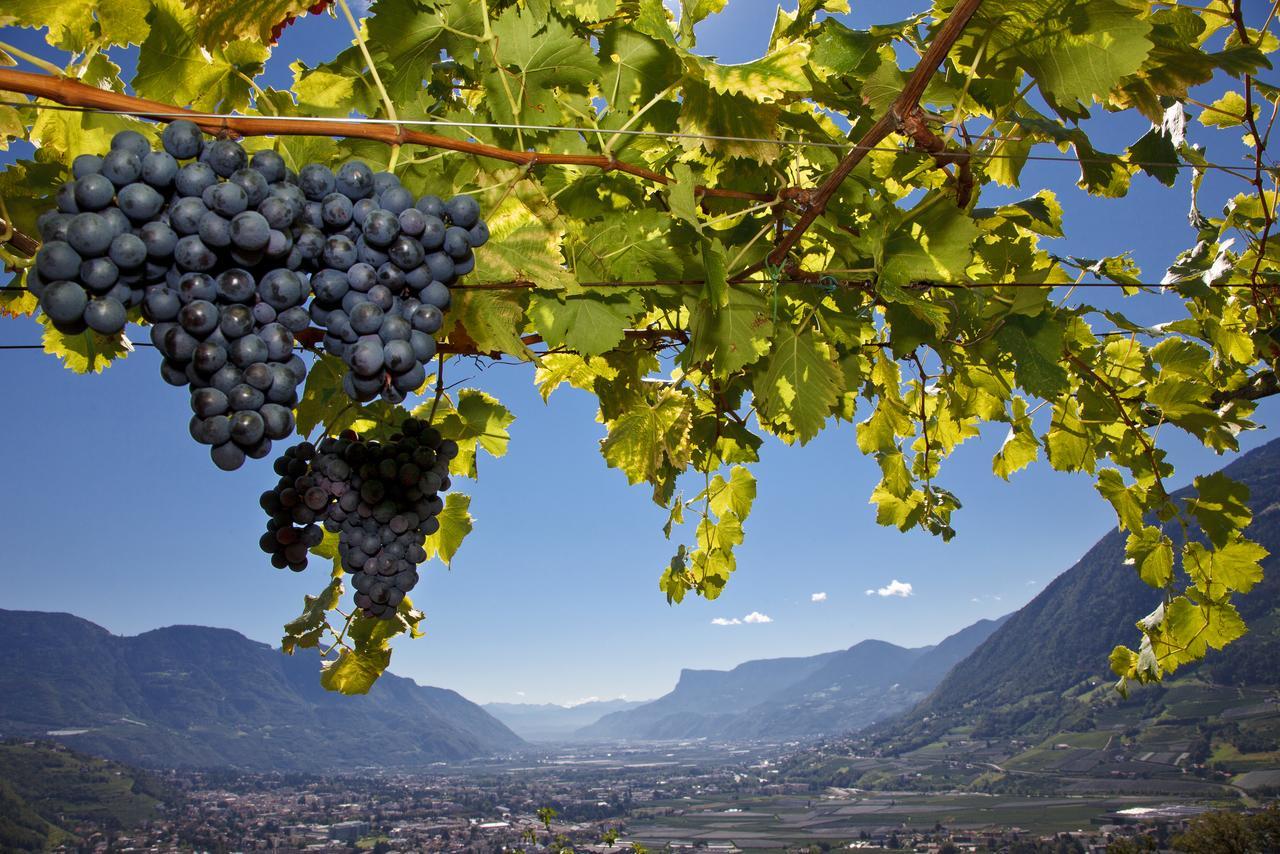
x=380, y=227
x=339, y=253
x=190, y=253
x=255, y=186
x=99, y=275
x=90, y=234
x=463, y=211
x=247, y=428
x=395, y=199
x=250, y=230
x=329, y=286
x=236, y=286
x=366, y=318
x=199, y=317
x=121, y=167
x=406, y=252
x=237, y=321
x=64, y=303
x=244, y=397
x=294, y=319
x=281, y=289
x=127, y=251
x=268, y=164
x=432, y=206
x=335, y=210
x=225, y=156
x=366, y=358
x=57, y=260
x=355, y=180
x=433, y=233
x=140, y=202
x=86, y=164
x=227, y=198
x=427, y=318
x=457, y=242
x=209, y=357
x=182, y=139
x=160, y=240
x=93, y=192
x=316, y=181
x=105, y=315
x=246, y=350
x=194, y=178
x=131, y=141
x=197, y=286
x=277, y=212
x=228, y=456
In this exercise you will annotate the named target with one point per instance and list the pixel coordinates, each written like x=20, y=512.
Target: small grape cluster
x=107, y=241
x=386, y=266
x=382, y=500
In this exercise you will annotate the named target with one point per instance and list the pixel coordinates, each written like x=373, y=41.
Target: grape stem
x=431, y=418
x=907, y=102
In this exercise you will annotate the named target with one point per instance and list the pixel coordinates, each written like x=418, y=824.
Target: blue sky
x=111, y=512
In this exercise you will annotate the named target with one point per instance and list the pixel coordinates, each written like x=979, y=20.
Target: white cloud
x=519, y=693
x=893, y=588
x=753, y=617
x=818, y=597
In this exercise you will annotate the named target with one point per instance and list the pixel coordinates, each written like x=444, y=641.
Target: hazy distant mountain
x=552, y=722
x=795, y=697
x=1014, y=681
x=196, y=696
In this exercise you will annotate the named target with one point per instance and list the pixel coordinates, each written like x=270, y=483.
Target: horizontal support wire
x=825, y=283
x=443, y=123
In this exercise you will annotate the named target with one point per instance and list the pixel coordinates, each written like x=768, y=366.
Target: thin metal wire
x=844, y=147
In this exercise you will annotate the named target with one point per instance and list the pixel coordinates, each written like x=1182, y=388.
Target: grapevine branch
x=906, y=104
x=73, y=93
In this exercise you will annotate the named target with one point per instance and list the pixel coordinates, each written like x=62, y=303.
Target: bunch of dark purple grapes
x=386, y=266
x=382, y=500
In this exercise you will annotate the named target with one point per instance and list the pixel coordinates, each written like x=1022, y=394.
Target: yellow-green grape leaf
x=1151, y=553
x=588, y=324
x=87, y=352
x=776, y=75
x=355, y=671
x=219, y=23
x=1235, y=566
x=1227, y=112
x=175, y=68
x=647, y=438
x=931, y=247
x=1220, y=506
x=735, y=495
x=455, y=523
x=800, y=384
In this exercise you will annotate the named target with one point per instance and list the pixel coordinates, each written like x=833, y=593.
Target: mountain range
x=191, y=696
x=795, y=697
x=552, y=721
x=1057, y=643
